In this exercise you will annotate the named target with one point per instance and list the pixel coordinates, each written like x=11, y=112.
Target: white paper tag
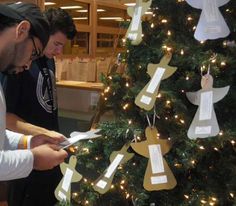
x=114, y=165
x=145, y=99
x=213, y=29
x=62, y=195
x=132, y=36
x=203, y=130
x=210, y=10
x=159, y=180
x=206, y=105
x=155, y=81
x=136, y=18
x=101, y=183
x=67, y=179
x=156, y=158
x=70, y=141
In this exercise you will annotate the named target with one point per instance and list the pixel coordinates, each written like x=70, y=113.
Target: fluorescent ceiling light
x=130, y=4
x=49, y=3
x=71, y=7
x=86, y=10
x=112, y=18
x=80, y=18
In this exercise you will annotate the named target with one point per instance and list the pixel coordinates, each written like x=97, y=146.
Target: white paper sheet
x=101, y=183
x=159, y=180
x=211, y=10
x=132, y=36
x=203, y=130
x=156, y=158
x=62, y=195
x=145, y=99
x=114, y=165
x=155, y=81
x=67, y=179
x=136, y=18
x=206, y=105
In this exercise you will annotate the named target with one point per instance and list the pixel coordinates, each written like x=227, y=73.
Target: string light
x=189, y=18
x=203, y=201
x=86, y=202
x=186, y=196
x=231, y=195
x=216, y=149
x=127, y=195
x=86, y=150
x=201, y=147
x=223, y=64
x=187, y=78
x=182, y=121
x=127, y=84
x=130, y=122
x=221, y=133
x=176, y=116
x=122, y=182
x=125, y=106
x=152, y=25
x=107, y=90
x=112, y=186
x=182, y=52
x=193, y=162
x=194, y=28
x=164, y=21
x=232, y=142
x=169, y=33
x=159, y=95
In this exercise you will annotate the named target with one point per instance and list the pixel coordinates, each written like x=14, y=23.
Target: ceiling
x=106, y=14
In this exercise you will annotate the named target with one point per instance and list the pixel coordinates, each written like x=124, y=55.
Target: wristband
x=29, y=137
x=26, y=141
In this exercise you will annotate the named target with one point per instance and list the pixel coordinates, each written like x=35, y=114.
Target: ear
x=22, y=30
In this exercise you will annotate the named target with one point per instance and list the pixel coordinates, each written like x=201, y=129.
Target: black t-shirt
x=32, y=94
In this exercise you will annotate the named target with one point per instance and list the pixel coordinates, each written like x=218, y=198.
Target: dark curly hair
x=60, y=21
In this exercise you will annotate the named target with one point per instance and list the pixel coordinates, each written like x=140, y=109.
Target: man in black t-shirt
x=32, y=108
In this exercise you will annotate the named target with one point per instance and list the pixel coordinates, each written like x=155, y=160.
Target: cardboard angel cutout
x=63, y=190
x=211, y=24
x=158, y=175
x=134, y=32
x=205, y=123
x=147, y=96
x=103, y=183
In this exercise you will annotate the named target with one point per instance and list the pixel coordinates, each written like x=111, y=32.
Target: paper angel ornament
x=63, y=190
x=147, y=96
x=134, y=32
x=103, y=183
x=205, y=123
x=211, y=24
x=158, y=175
x=78, y=136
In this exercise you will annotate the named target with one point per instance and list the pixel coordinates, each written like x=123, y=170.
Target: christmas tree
x=204, y=168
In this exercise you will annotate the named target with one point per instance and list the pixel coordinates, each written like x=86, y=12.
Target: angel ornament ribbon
x=205, y=122
x=134, y=32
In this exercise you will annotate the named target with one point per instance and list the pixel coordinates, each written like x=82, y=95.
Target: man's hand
x=48, y=156
x=38, y=140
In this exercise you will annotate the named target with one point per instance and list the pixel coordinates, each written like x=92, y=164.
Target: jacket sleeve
x=15, y=164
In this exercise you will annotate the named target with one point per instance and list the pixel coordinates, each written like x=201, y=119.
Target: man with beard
x=35, y=90
x=23, y=35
